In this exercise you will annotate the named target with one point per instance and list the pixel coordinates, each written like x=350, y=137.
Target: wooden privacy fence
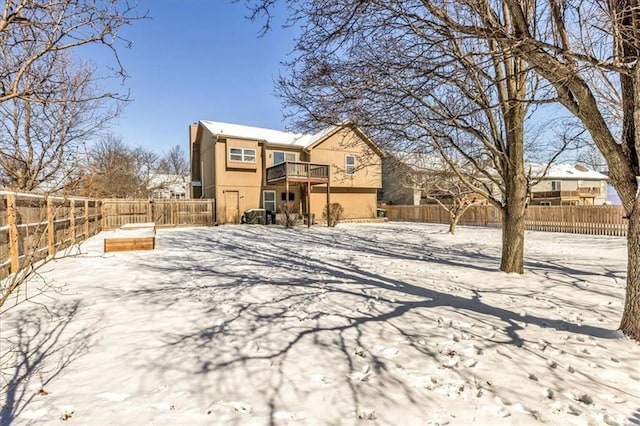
x=594, y=220
x=118, y=212
x=33, y=227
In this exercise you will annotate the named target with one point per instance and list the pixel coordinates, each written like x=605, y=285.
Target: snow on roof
x=567, y=171
x=424, y=161
x=420, y=161
x=261, y=134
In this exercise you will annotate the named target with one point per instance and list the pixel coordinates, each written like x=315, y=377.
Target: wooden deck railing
x=579, y=193
x=298, y=170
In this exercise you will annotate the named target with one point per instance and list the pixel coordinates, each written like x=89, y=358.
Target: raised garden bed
x=133, y=236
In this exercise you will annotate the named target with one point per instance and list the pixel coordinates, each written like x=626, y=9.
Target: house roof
x=567, y=171
x=268, y=135
x=420, y=161
x=424, y=161
x=301, y=140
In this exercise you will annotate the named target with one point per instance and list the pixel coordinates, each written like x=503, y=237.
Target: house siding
x=238, y=186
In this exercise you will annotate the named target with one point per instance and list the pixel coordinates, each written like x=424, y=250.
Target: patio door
x=269, y=200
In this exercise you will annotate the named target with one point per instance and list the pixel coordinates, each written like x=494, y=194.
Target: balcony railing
x=579, y=193
x=298, y=171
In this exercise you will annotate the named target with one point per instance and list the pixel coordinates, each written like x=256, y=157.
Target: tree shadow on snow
x=36, y=347
x=267, y=293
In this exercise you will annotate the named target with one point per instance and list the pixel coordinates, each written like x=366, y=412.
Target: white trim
x=275, y=201
x=284, y=156
x=347, y=165
x=244, y=153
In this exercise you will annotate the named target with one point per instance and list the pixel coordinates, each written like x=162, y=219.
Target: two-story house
x=406, y=175
x=568, y=184
x=244, y=167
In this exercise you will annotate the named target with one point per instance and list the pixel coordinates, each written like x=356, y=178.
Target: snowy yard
x=360, y=324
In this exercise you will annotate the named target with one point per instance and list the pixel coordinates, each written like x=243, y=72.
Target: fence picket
x=594, y=220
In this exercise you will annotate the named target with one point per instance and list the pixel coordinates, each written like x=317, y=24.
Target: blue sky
x=195, y=60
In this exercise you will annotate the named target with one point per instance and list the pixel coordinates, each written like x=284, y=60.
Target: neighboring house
x=568, y=184
x=409, y=179
x=167, y=186
x=405, y=175
x=244, y=167
x=401, y=178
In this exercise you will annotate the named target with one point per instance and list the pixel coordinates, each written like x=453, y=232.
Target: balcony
x=566, y=195
x=297, y=171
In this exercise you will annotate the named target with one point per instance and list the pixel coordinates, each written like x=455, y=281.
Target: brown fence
x=33, y=227
x=118, y=212
x=594, y=220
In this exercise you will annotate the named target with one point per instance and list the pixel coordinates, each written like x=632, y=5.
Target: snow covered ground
x=360, y=324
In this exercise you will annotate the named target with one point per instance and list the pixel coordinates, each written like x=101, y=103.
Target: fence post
x=174, y=213
x=51, y=230
x=102, y=215
x=72, y=219
x=85, y=227
x=13, y=233
x=150, y=211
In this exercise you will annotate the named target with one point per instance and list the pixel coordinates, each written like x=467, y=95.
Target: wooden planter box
x=139, y=236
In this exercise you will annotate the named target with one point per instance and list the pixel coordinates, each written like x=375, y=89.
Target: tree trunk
x=452, y=225
x=630, y=324
x=513, y=229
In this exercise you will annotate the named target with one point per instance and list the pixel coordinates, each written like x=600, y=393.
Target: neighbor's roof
x=268, y=135
x=567, y=171
x=421, y=161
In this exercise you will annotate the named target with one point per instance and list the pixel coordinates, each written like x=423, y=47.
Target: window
x=349, y=164
x=283, y=196
x=269, y=200
x=555, y=185
x=243, y=155
x=281, y=157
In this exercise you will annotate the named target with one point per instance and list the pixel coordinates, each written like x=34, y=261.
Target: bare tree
x=31, y=31
x=42, y=138
x=50, y=102
x=415, y=83
x=434, y=181
x=578, y=46
x=172, y=173
x=174, y=162
x=590, y=156
x=118, y=171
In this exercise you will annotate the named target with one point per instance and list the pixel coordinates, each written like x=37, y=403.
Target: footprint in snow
x=386, y=351
x=320, y=379
x=163, y=406
x=231, y=406
x=286, y=415
x=367, y=414
x=112, y=396
x=363, y=375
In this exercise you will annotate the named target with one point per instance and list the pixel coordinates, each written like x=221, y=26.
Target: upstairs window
x=349, y=164
x=555, y=185
x=281, y=157
x=242, y=155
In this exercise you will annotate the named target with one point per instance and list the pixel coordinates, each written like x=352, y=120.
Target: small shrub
x=289, y=217
x=332, y=213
